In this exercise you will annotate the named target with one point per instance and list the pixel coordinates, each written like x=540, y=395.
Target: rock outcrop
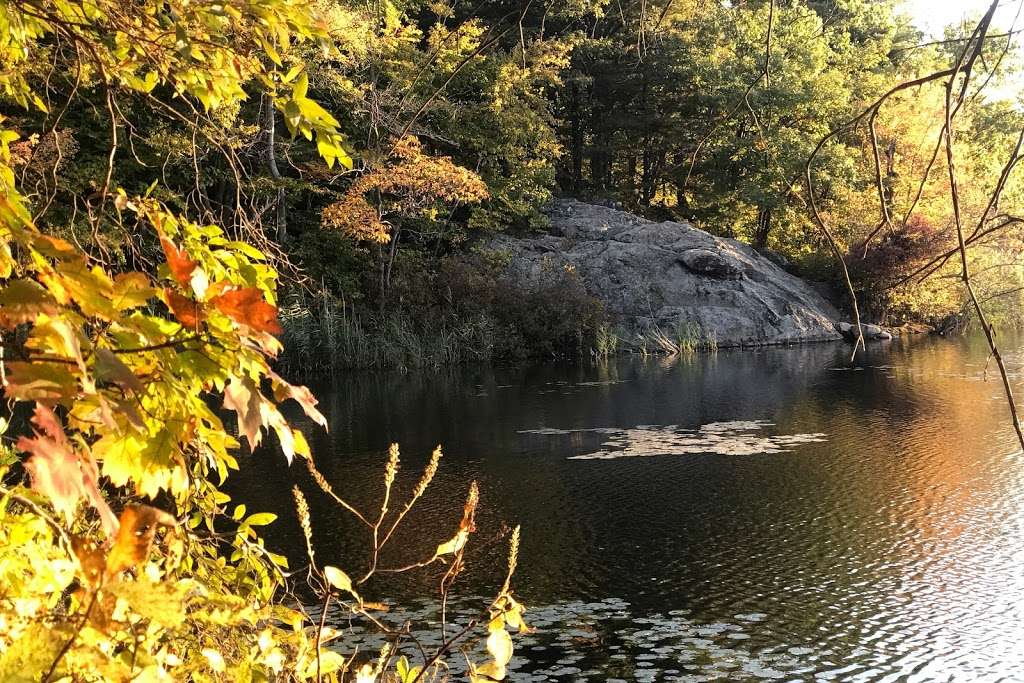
x=663, y=277
x=870, y=332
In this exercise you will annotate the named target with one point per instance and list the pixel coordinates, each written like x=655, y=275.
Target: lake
x=740, y=515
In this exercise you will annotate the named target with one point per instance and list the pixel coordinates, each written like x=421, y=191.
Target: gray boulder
x=711, y=263
x=871, y=332
x=664, y=277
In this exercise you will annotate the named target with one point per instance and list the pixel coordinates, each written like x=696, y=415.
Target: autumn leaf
x=49, y=382
x=339, y=580
x=54, y=473
x=58, y=473
x=92, y=560
x=57, y=248
x=284, y=390
x=21, y=301
x=178, y=261
x=135, y=537
x=91, y=488
x=189, y=313
x=131, y=290
x=466, y=526
x=499, y=645
x=243, y=397
x=489, y=671
x=248, y=306
x=110, y=368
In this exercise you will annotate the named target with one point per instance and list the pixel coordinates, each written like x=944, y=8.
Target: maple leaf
x=243, y=397
x=178, y=261
x=188, y=312
x=91, y=488
x=48, y=382
x=54, y=473
x=58, y=473
x=248, y=307
x=302, y=395
x=138, y=525
x=109, y=368
x=22, y=300
x=131, y=290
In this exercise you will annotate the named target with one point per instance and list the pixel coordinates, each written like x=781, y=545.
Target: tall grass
x=332, y=336
x=606, y=341
x=686, y=338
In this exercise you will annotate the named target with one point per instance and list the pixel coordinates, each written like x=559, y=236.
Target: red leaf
x=248, y=307
x=188, y=312
x=178, y=261
x=58, y=472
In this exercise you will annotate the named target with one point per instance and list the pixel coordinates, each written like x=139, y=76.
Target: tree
x=118, y=556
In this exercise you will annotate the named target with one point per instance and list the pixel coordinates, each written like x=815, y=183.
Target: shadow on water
x=777, y=513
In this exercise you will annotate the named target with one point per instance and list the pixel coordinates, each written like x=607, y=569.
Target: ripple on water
x=586, y=639
x=736, y=437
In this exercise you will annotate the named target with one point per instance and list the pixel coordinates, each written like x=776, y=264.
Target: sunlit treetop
x=197, y=55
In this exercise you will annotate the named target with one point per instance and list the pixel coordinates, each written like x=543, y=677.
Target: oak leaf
x=248, y=307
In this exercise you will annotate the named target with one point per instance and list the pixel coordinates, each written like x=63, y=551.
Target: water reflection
x=738, y=437
x=887, y=547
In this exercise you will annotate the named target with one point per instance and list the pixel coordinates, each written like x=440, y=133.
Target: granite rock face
x=662, y=277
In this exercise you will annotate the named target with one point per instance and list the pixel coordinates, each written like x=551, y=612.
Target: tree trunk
x=280, y=215
x=764, y=226
x=577, y=140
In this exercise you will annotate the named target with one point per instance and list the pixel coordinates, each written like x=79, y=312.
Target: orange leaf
x=188, y=312
x=178, y=261
x=91, y=560
x=135, y=537
x=248, y=307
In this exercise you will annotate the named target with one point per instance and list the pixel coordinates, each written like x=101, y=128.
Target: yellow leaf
x=339, y=580
x=215, y=659
x=454, y=545
x=301, y=87
x=499, y=645
x=366, y=674
x=490, y=671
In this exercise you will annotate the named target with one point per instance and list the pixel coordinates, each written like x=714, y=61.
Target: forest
x=207, y=202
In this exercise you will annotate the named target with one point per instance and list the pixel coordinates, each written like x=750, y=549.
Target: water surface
x=772, y=514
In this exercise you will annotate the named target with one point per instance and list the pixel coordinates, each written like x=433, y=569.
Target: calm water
x=737, y=516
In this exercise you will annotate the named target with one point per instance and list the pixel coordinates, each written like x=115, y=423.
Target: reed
x=606, y=342
x=333, y=336
x=686, y=338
